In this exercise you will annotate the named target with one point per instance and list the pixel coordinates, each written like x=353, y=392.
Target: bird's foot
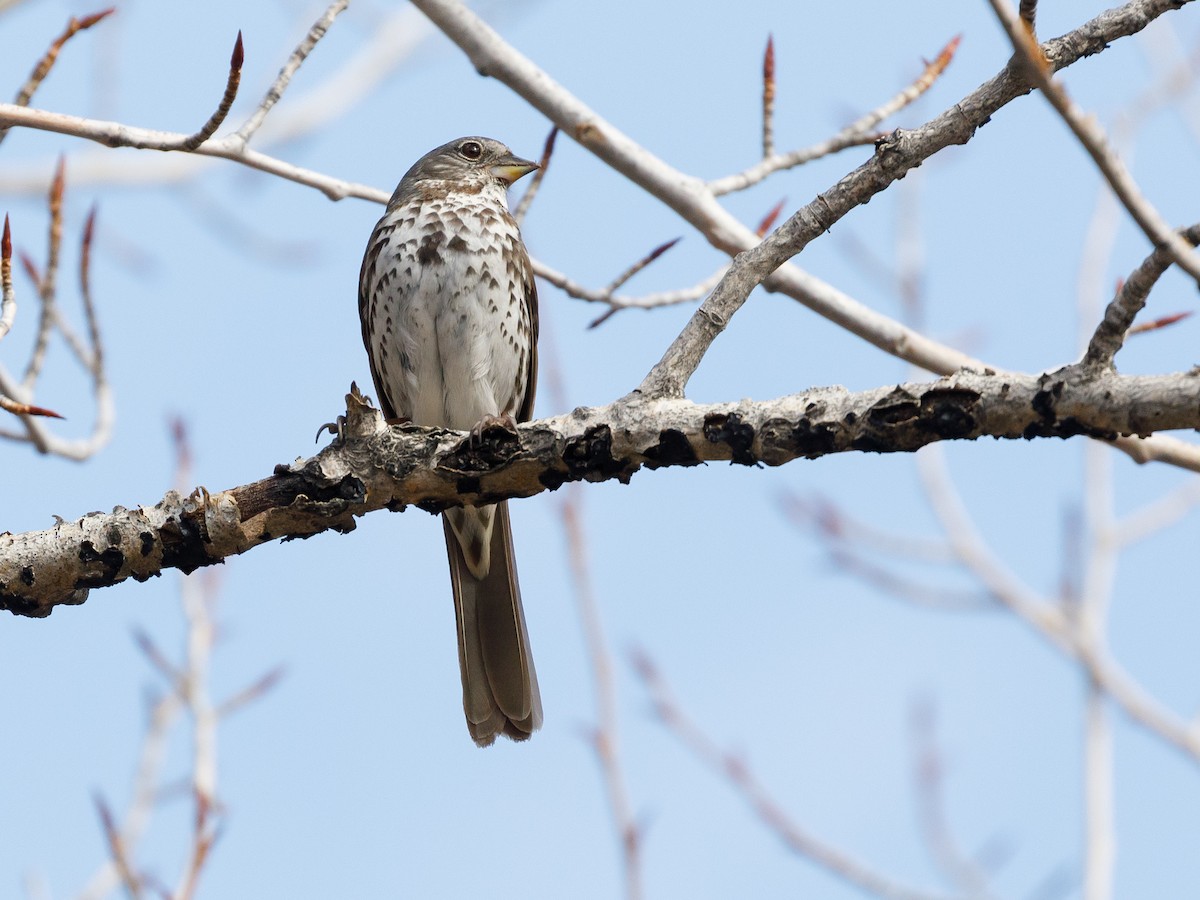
x=488, y=423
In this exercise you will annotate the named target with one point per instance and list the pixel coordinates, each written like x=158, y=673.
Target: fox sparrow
x=449, y=320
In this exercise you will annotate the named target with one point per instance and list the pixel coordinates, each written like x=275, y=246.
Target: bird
x=449, y=318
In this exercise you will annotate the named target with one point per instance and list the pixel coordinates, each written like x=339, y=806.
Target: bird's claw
x=475, y=435
x=336, y=428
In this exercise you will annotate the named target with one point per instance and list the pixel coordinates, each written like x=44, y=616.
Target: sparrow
x=450, y=324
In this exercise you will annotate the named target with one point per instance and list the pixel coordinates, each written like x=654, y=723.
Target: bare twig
x=171, y=673
x=963, y=872
x=118, y=851
x=860, y=132
x=252, y=692
x=284, y=78
x=115, y=134
x=96, y=363
x=735, y=771
x=1095, y=142
x=46, y=63
x=768, y=99
x=8, y=303
x=1089, y=618
x=1110, y=334
x=923, y=594
x=209, y=128
x=8, y=312
x=646, y=301
x=605, y=738
x=832, y=523
x=1160, y=323
x=1152, y=518
x=1049, y=620
x=535, y=182
x=389, y=45
x=48, y=286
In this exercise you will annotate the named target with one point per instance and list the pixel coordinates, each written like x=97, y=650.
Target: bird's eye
x=470, y=150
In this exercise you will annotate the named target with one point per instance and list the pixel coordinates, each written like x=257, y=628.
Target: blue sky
x=355, y=776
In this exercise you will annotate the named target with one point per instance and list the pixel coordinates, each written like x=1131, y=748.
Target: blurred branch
x=15, y=396
x=966, y=875
x=605, y=738
x=188, y=692
x=768, y=99
x=734, y=770
x=1054, y=623
x=1089, y=617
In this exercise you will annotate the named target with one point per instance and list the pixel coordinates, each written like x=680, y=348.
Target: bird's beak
x=511, y=168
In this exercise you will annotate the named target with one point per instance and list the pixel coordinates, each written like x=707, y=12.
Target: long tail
x=500, y=689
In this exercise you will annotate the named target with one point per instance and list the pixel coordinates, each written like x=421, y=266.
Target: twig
x=640, y=264
x=1047, y=620
x=173, y=676
x=1110, y=334
x=768, y=99
x=7, y=316
x=48, y=286
x=284, y=78
x=832, y=523
x=8, y=296
x=209, y=128
x=856, y=134
x=536, y=181
x=389, y=44
x=605, y=739
x=253, y=691
x=96, y=365
x=118, y=850
x=735, y=771
x=1089, y=619
x=647, y=301
x=1158, y=324
x=964, y=873
x=1152, y=518
x=115, y=134
x=46, y=63
x=921, y=594
x=1089, y=133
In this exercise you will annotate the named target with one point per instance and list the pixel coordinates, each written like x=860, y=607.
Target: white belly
x=451, y=307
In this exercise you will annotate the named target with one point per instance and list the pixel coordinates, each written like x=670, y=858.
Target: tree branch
x=373, y=467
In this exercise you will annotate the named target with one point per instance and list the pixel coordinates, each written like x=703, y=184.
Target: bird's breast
x=448, y=299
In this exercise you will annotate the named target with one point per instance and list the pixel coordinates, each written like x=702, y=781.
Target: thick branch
x=374, y=467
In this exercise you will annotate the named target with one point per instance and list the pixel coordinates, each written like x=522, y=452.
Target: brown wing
x=525, y=411
x=366, y=277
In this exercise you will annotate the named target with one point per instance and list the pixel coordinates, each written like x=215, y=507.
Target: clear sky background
x=229, y=298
